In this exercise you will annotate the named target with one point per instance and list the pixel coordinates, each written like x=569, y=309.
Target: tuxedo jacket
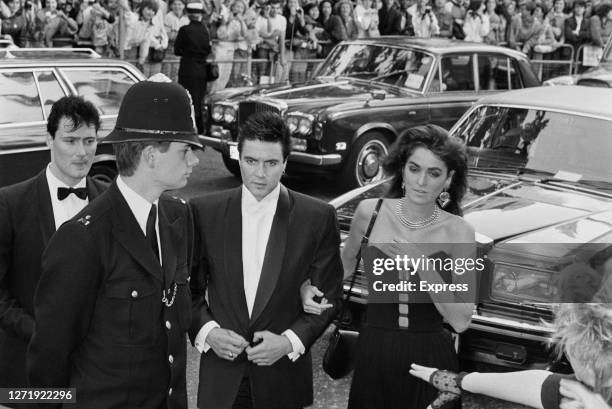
x=26, y=224
x=101, y=325
x=303, y=243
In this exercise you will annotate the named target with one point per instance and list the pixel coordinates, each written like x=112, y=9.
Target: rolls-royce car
x=31, y=80
x=540, y=200
x=344, y=120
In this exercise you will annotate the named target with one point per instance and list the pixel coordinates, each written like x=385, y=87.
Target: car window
x=50, y=89
x=19, y=100
x=493, y=72
x=515, y=77
x=104, y=88
x=457, y=73
x=542, y=141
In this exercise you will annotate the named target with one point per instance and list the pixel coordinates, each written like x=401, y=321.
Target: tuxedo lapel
x=170, y=235
x=275, y=253
x=45, y=208
x=127, y=232
x=232, y=244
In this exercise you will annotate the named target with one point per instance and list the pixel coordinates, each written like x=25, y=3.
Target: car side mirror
x=377, y=95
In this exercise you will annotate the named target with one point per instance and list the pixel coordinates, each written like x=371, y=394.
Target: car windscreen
x=560, y=145
x=397, y=66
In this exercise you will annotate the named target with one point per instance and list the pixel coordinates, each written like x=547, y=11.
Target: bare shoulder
x=457, y=228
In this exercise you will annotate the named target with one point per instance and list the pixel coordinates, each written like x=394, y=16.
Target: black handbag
x=339, y=358
x=157, y=55
x=212, y=71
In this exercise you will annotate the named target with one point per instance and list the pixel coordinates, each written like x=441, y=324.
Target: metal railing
x=547, y=68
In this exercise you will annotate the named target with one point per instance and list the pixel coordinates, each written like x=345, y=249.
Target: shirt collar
x=55, y=183
x=139, y=206
x=250, y=204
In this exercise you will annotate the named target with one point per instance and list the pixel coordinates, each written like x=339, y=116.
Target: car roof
x=572, y=98
x=438, y=45
x=45, y=62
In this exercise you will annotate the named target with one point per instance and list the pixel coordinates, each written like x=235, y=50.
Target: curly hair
x=450, y=150
x=584, y=332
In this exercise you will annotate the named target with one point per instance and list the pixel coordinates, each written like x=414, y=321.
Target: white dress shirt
x=64, y=210
x=140, y=208
x=257, y=218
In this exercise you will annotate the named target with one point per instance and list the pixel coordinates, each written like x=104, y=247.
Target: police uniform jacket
x=101, y=325
x=193, y=46
x=26, y=224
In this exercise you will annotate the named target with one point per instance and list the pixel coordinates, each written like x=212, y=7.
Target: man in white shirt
x=30, y=212
x=271, y=26
x=255, y=245
x=113, y=304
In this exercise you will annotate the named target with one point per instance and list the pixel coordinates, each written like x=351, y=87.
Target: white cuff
x=200, y=340
x=296, y=344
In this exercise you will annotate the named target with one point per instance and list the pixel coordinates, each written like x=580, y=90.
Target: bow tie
x=64, y=192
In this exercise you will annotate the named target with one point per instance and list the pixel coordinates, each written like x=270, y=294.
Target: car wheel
x=232, y=165
x=364, y=162
x=106, y=172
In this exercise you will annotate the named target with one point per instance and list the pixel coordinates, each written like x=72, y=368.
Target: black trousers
x=244, y=400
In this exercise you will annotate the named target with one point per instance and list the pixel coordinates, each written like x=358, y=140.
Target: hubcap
x=368, y=168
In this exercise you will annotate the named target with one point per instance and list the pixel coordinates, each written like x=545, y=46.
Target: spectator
x=476, y=24
x=14, y=22
x=525, y=35
x=147, y=39
x=325, y=8
x=298, y=43
x=577, y=30
x=424, y=21
x=251, y=35
x=557, y=17
x=407, y=10
x=174, y=20
x=223, y=48
x=497, y=23
x=366, y=18
x=343, y=26
x=55, y=22
x=236, y=30
x=389, y=19
x=546, y=42
x=97, y=23
x=444, y=17
x=457, y=11
x=272, y=27
x=601, y=24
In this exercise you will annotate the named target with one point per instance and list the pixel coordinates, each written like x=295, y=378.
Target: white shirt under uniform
x=257, y=217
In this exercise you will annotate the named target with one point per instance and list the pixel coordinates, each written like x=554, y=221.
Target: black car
x=365, y=92
x=540, y=200
x=31, y=80
x=600, y=76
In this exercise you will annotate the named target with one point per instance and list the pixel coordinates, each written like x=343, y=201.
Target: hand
x=271, y=349
x=444, y=381
x=422, y=372
x=580, y=395
x=307, y=293
x=226, y=343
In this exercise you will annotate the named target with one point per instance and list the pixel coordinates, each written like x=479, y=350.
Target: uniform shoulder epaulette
x=85, y=220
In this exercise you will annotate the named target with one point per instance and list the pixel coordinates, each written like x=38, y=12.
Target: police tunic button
x=171, y=359
x=134, y=294
x=168, y=325
x=170, y=392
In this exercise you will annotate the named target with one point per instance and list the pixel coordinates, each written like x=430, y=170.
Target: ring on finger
x=230, y=354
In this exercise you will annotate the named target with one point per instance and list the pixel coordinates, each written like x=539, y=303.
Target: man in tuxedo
x=255, y=245
x=113, y=304
x=30, y=212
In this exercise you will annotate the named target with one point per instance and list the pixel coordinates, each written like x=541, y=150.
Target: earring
x=444, y=199
x=404, y=188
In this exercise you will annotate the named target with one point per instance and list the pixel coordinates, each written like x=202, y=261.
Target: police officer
x=193, y=46
x=113, y=303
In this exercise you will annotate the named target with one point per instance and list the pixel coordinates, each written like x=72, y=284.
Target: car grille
x=248, y=108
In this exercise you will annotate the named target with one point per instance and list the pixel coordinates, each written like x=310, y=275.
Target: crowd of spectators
x=282, y=30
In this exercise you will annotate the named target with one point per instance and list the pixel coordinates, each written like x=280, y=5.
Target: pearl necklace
x=419, y=224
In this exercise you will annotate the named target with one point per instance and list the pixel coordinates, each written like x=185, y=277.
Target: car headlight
x=229, y=114
x=520, y=284
x=305, y=126
x=217, y=113
x=292, y=123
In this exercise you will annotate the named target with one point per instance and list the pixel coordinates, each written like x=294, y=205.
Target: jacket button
x=171, y=359
x=168, y=325
x=134, y=294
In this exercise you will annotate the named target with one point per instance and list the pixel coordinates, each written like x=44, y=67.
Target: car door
x=452, y=89
x=26, y=96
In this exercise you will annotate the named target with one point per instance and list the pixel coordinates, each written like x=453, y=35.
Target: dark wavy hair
x=449, y=149
x=77, y=110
